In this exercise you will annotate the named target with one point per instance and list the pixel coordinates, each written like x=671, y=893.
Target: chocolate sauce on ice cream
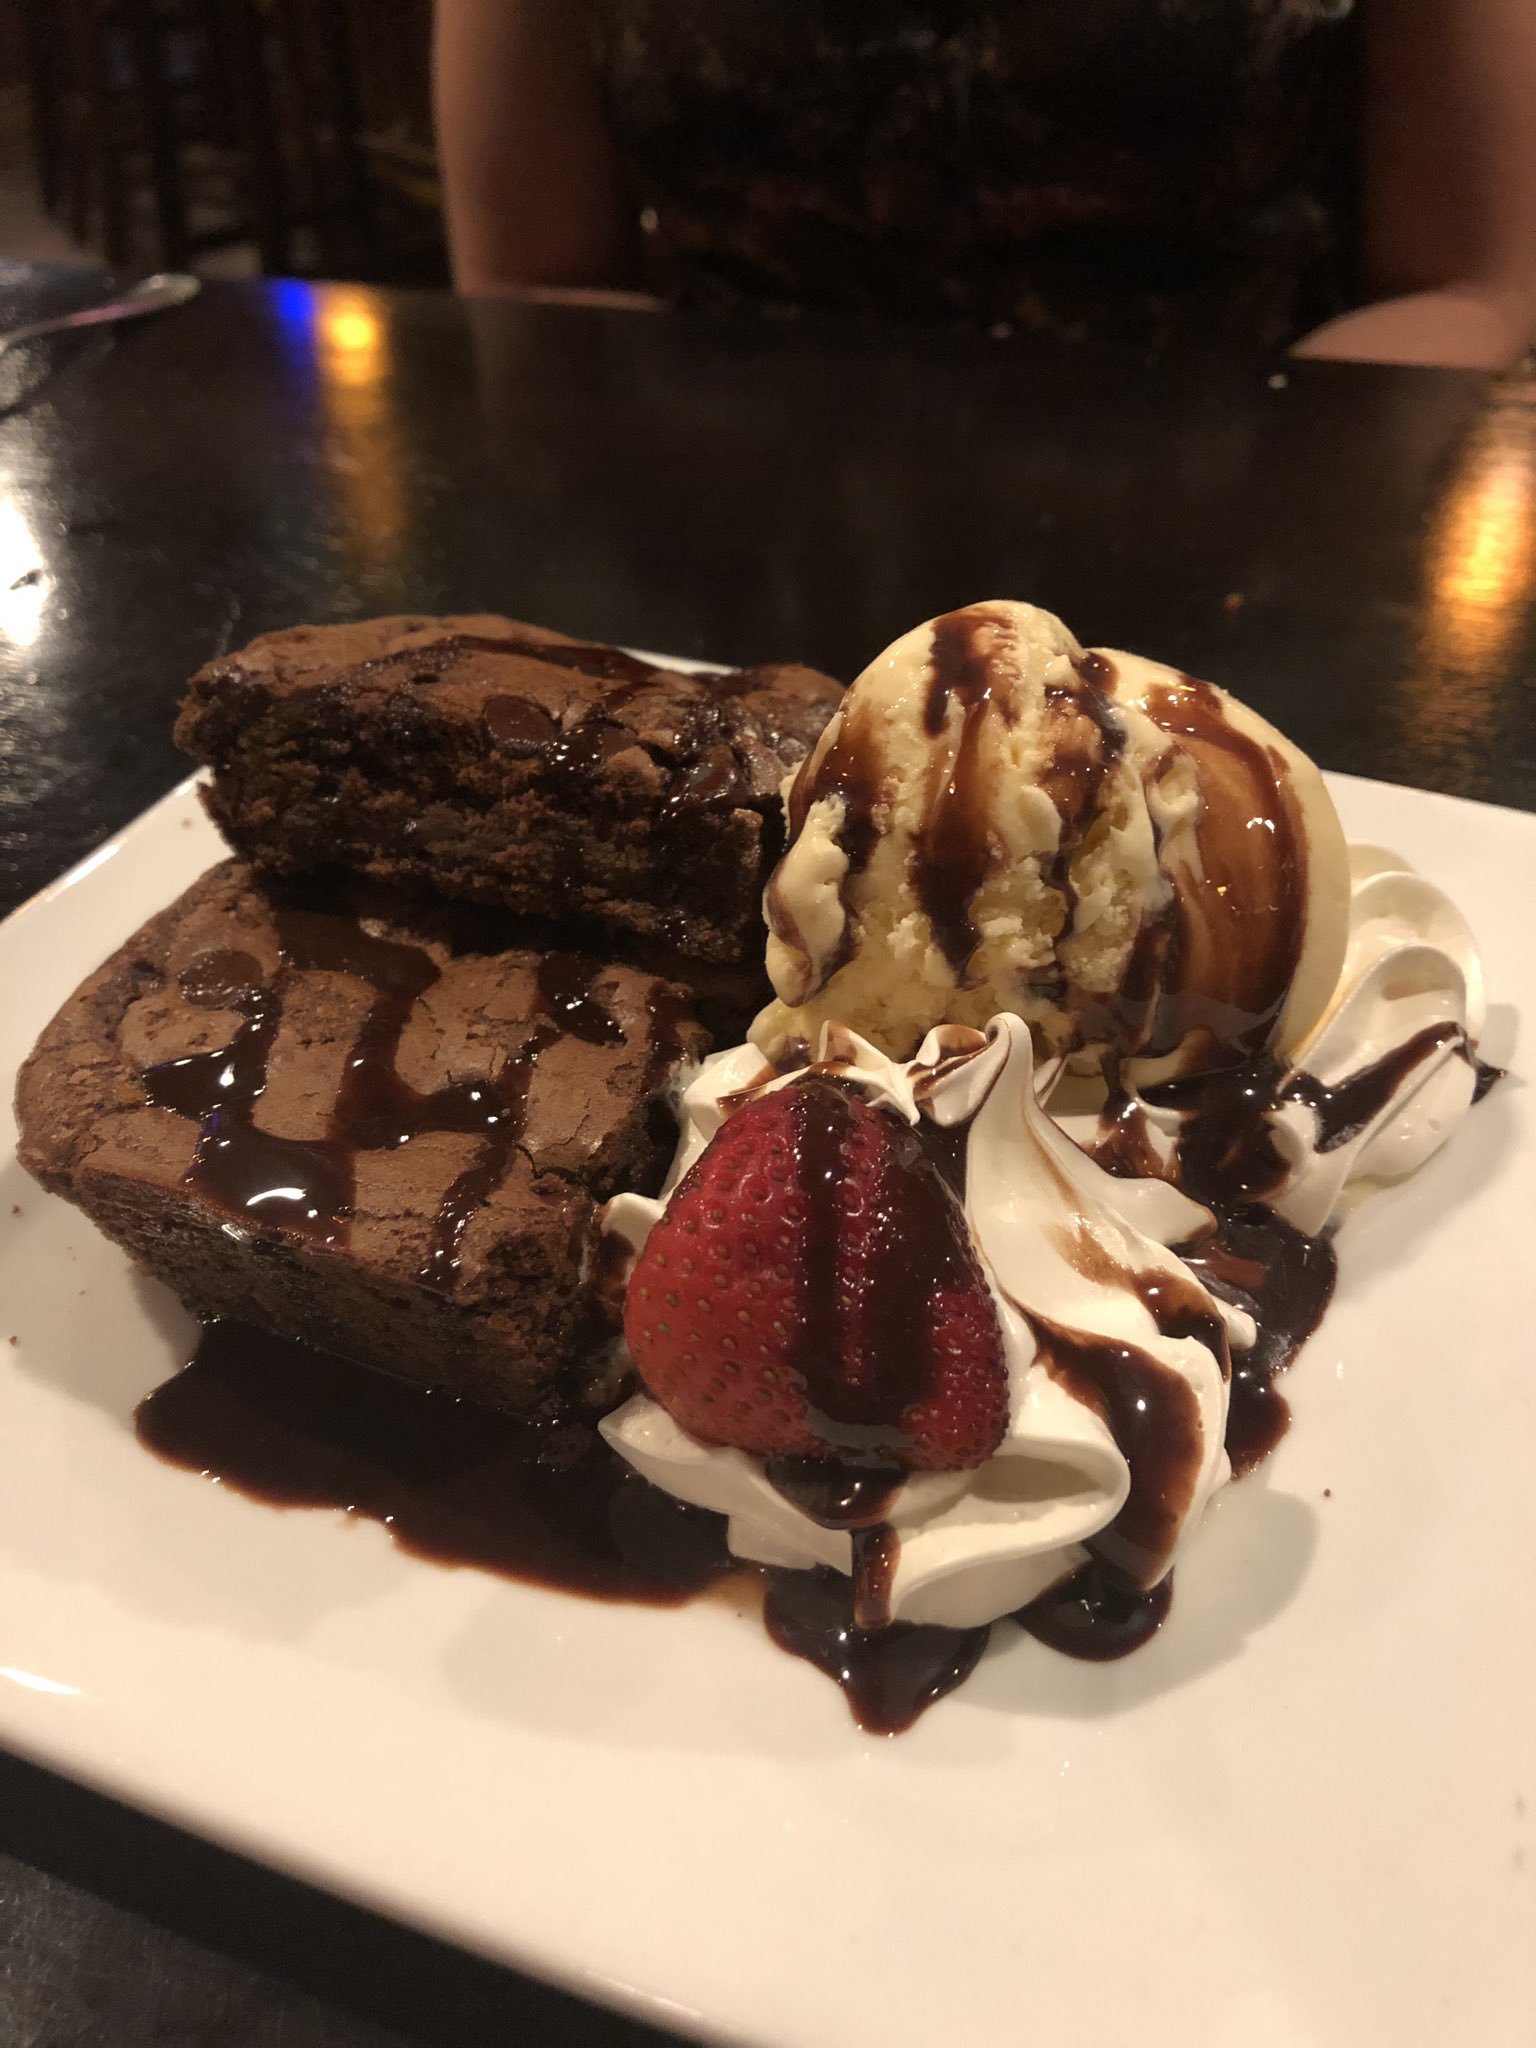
x=998, y=819
x=975, y=664
x=1240, y=911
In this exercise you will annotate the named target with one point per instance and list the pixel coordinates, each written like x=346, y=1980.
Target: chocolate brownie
x=365, y=1125
x=502, y=764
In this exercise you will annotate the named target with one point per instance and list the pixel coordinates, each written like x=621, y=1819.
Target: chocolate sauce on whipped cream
x=1344, y=1110
x=307, y=1185
x=1225, y=1157
x=1154, y=1419
x=833, y=1493
x=858, y=1499
x=1257, y=1261
x=1226, y=1160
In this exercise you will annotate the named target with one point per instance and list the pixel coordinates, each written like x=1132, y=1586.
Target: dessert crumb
x=1327, y=1493
x=1233, y=601
x=15, y=1208
x=14, y=1339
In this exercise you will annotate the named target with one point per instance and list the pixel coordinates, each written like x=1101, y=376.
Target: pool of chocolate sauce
x=452, y=1481
x=888, y=1674
x=547, y=1503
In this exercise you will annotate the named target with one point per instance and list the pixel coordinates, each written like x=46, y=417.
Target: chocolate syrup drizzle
x=1151, y=1413
x=307, y=1185
x=974, y=663
x=972, y=657
x=879, y=1307
x=1215, y=966
x=1257, y=1261
x=838, y=1495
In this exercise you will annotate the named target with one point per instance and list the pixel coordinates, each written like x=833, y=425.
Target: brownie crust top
x=718, y=737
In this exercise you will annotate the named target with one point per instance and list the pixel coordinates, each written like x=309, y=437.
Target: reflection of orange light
x=352, y=330
x=1482, y=558
x=353, y=355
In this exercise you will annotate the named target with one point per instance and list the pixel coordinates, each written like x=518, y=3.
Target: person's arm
x=531, y=191
x=1450, y=186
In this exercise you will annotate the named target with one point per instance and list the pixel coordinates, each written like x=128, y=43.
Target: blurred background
x=232, y=137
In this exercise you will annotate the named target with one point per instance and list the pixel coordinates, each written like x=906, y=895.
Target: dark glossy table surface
x=1353, y=550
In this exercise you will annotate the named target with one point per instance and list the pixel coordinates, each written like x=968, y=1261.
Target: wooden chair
x=167, y=128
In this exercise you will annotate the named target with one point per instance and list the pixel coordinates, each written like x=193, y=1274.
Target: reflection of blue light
x=294, y=300
x=297, y=307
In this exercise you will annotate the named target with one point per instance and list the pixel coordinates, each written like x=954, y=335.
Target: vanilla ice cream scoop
x=998, y=820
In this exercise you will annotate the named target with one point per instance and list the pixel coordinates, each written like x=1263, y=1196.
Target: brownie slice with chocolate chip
x=502, y=764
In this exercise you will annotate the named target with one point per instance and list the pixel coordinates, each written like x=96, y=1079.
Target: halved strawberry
x=812, y=1289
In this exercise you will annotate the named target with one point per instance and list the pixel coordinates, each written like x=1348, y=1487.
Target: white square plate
x=1304, y=1815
